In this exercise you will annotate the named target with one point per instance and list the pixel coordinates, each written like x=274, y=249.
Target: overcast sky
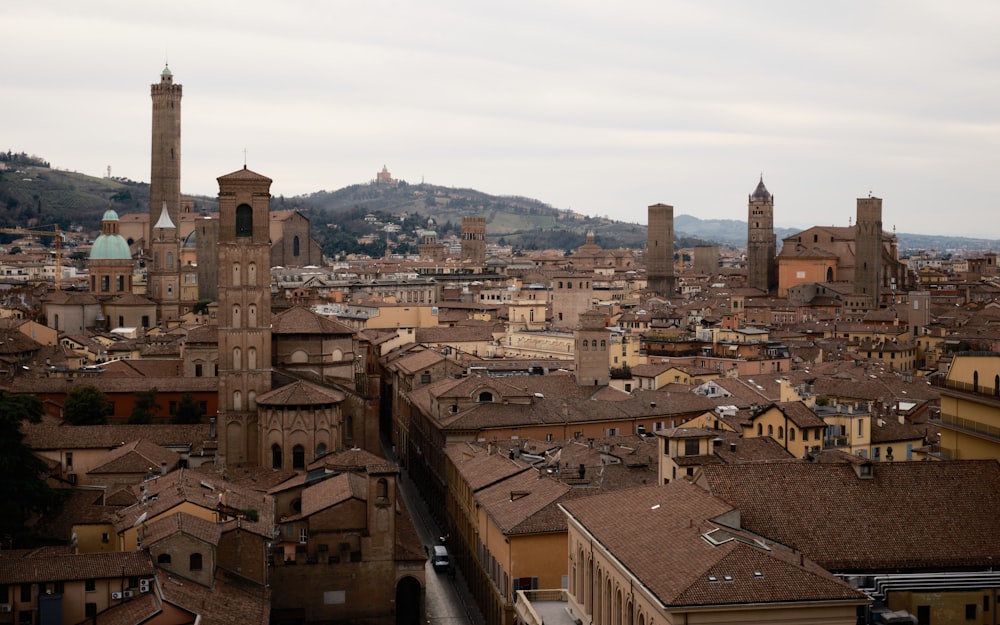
x=599, y=107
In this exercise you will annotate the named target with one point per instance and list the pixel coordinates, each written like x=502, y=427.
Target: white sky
x=600, y=107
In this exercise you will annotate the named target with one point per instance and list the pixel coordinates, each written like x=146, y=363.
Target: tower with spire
x=762, y=243
x=163, y=239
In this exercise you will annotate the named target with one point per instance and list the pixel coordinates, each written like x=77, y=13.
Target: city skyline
x=602, y=111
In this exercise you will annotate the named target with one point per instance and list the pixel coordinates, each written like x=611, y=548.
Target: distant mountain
x=33, y=195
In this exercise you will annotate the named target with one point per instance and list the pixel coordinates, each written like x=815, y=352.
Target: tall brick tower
x=244, y=297
x=868, y=249
x=165, y=196
x=590, y=341
x=474, y=241
x=660, y=250
x=762, y=244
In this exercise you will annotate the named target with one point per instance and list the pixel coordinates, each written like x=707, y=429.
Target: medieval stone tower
x=244, y=297
x=474, y=241
x=660, y=250
x=591, y=340
x=165, y=197
x=868, y=252
x=762, y=244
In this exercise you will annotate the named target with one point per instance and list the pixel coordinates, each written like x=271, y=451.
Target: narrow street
x=447, y=598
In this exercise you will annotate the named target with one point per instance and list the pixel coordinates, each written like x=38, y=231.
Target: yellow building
x=704, y=567
x=792, y=424
x=970, y=408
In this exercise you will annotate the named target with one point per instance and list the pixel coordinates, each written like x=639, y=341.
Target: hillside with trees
x=33, y=195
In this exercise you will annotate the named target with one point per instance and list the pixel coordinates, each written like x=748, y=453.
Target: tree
x=188, y=410
x=22, y=485
x=144, y=407
x=86, y=405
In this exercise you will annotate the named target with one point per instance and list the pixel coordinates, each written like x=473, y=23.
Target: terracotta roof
x=137, y=457
x=69, y=437
x=301, y=394
x=510, y=502
x=909, y=515
x=244, y=175
x=166, y=492
x=230, y=600
x=204, y=530
x=678, y=570
x=20, y=567
x=299, y=320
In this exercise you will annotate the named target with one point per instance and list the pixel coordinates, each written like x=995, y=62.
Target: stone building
x=473, y=242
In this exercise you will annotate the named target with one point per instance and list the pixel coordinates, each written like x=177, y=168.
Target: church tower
x=762, y=243
x=868, y=252
x=165, y=195
x=660, y=250
x=591, y=339
x=244, y=297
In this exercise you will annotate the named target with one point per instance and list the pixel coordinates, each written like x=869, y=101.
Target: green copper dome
x=110, y=246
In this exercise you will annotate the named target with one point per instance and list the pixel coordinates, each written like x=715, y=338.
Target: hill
x=34, y=195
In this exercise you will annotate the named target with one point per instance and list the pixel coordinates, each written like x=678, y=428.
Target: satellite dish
x=141, y=519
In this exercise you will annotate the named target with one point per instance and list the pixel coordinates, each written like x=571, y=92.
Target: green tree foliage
x=86, y=405
x=144, y=407
x=188, y=410
x=22, y=487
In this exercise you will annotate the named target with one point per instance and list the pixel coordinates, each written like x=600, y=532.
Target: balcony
x=548, y=607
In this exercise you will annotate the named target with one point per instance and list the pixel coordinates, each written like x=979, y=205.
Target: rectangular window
x=970, y=611
x=691, y=447
x=90, y=610
x=861, y=427
x=69, y=459
x=90, y=585
x=303, y=535
x=197, y=371
x=25, y=593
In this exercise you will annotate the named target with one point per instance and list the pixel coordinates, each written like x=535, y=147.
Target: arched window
x=236, y=274
x=170, y=260
x=295, y=246
x=603, y=345
x=770, y=430
x=252, y=316
x=252, y=400
x=760, y=429
x=298, y=457
x=163, y=558
x=236, y=316
x=781, y=433
x=237, y=358
x=791, y=434
x=251, y=358
x=237, y=401
x=252, y=273
x=829, y=274
x=244, y=220
x=585, y=344
x=194, y=562
x=275, y=456
x=320, y=449
x=485, y=397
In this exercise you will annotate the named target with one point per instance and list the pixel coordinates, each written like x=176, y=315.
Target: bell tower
x=244, y=297
x=761, y=241
x=165, y=196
